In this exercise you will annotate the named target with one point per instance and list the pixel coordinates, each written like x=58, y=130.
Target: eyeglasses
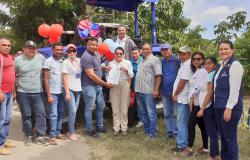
x=69, y=51
x=196, y=59
x=119, y=53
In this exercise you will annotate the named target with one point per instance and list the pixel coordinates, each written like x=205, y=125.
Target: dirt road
x=65, y=150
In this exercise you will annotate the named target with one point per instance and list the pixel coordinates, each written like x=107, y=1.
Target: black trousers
x=193, y=120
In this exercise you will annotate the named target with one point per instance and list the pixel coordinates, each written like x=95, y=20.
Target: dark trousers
x=211, y=128
x=28, y=103
x=228, y=132
x=193, y=120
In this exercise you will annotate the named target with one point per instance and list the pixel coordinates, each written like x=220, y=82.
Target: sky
x=207, y=13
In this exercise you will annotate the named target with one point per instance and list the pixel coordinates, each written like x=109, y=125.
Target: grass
x=136, y=146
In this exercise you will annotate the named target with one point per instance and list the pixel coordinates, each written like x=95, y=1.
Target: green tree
x=228, y=29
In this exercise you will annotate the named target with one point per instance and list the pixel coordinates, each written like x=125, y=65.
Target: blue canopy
x=121, y=5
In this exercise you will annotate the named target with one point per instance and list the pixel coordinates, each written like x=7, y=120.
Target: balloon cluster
x=53, y=32
x=85, y=29
x=107, y=48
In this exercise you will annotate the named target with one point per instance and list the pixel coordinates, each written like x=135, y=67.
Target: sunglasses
x=196, y=59
x=69, y=51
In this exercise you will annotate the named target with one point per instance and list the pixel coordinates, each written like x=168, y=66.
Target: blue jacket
x=135, y=67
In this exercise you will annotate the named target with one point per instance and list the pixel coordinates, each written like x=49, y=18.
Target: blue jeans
x=32, y=103
x=149, y=113
x=183, y=113
x=170, y=115
x=72, y=106
x=228, y=133
x=93, y=95
x=56, y=110
x=211, y=128
x=5, y=117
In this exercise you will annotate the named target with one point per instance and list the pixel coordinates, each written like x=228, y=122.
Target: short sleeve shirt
x=184, y=73
x=147, y=70
x=29, y=73
x=90, y=61
x=74, y=74
x=55, y=78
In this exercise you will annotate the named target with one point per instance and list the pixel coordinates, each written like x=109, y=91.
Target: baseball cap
x=166, y=46
x=30, y=43
x=185, y=49
x=70, y=46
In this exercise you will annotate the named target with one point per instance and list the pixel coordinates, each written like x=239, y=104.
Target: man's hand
x=155, y=93
x=174, y=98
x=2, y=96
x=50, y=100
x=106, y=68
x=67, y=97
x=109, y=85
x=227, y=114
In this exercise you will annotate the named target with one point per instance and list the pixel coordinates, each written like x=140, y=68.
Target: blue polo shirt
x=135, y=67
x=169, y=72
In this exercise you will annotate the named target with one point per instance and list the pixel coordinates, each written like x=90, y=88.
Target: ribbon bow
x=85, y=28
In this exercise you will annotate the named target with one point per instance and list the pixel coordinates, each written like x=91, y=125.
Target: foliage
x=242, y=51
x=4, y=19
x=228, y=29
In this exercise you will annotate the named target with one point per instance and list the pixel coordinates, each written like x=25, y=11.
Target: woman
x=72, y=87
x=119, y=94
x=228, y=99
x=197, y=61
x=206, y=107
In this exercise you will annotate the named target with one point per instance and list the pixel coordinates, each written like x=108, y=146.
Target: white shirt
x=74, y=74
x=126, y=64
x=236, y=73
x=121, y=41
x=184, y=73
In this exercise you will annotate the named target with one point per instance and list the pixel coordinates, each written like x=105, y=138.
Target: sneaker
x=139, y=124
x=28, y=140
x=116, y=133
x=9, y=144
x=4, y=151
x=93, y=134
x=187, y=152
x=124, y=133
x=101, y=130
x=202, y=150
x=42, y=141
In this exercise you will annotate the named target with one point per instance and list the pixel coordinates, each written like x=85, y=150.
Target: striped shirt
x=147, y=70
x=55, y=78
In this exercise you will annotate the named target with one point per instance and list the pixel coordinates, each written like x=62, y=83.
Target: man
x=170, y=67
x=180, y=96
x=30, y=95
x=91, y=87
x=147, y=87
x=53, y=86
x=7, y=87
x=136, y=59
x=124, y=40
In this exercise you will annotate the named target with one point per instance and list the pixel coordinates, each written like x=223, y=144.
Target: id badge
x=77, y=75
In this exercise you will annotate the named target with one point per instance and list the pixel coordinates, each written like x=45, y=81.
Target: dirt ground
x=65, y=150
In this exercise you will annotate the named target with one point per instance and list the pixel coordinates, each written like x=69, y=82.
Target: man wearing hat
x=180, y=96
x=170, y=67
x=30, y=95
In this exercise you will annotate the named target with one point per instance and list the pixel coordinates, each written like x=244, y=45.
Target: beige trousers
x=119, y=96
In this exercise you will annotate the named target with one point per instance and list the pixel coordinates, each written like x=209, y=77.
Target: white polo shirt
x=184, y=73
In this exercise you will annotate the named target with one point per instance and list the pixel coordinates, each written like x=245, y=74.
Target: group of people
x=194, y=89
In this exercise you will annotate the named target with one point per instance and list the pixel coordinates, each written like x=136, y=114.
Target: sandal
x=52, y=141
x=61, y=137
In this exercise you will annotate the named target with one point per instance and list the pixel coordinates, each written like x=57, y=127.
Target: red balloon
x=53, y=40
x=103, y=49
x=56, y=30
x=110, y=56
x=44, y=30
